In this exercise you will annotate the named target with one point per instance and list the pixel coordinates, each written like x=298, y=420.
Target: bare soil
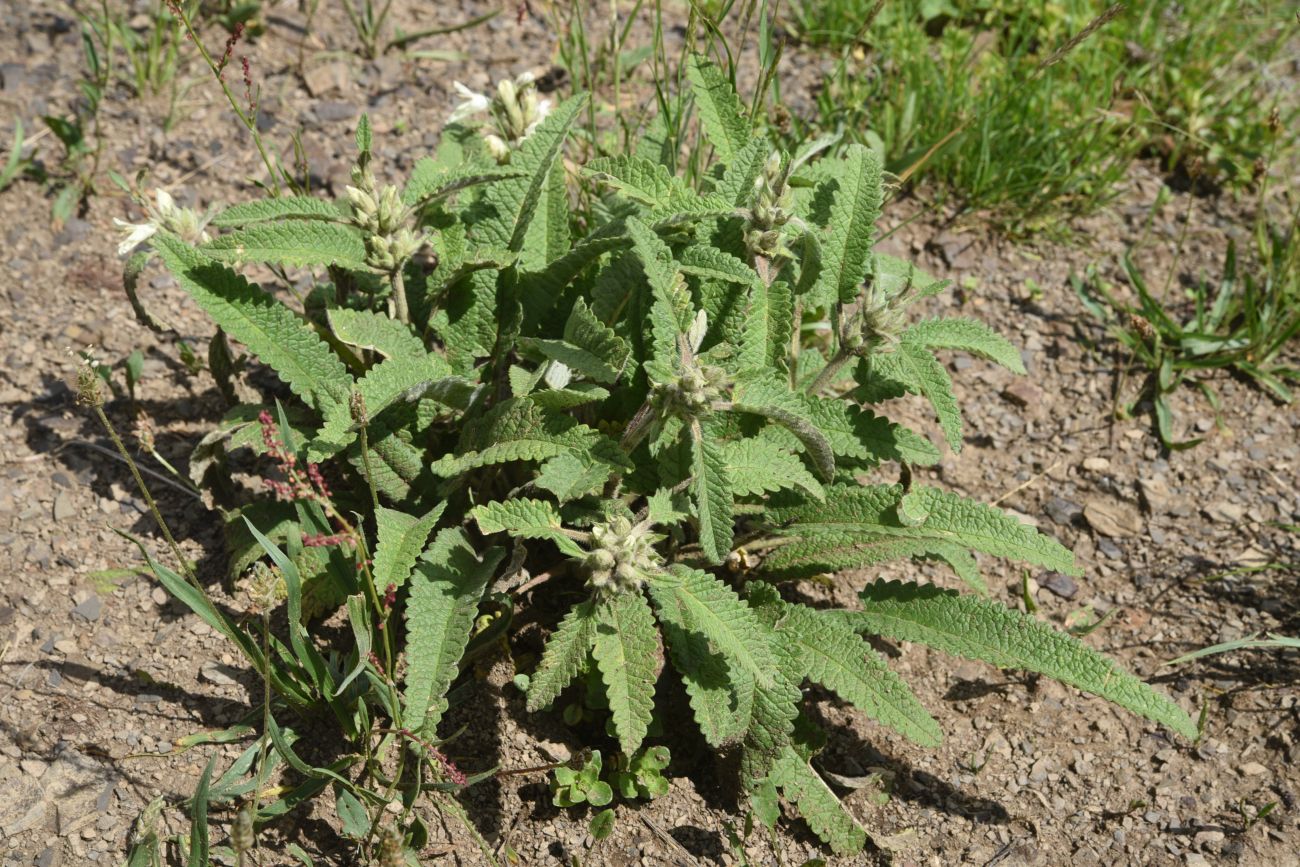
x=100, y=672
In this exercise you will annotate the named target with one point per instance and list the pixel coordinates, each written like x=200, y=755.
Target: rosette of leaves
x=630, y=405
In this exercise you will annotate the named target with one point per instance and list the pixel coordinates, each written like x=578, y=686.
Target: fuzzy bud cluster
x=770, y=210
x=380, y=214
x=622, y=554
x=690, y=394
x=883, y=319
x=515, y=108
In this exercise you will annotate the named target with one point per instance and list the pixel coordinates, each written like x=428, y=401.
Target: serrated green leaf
x=866, y=512
x=627, y=653
x=569, y=477
x=966, y=335
x=713, y=496
x=283, y=208
x=564, y=656
x=390, y=381
x=366, y=329
x=916, y=368
x=721, y=114
x=719, y=647
x=429, y=180
x=897, y=276
x=846, y=250
x=773, y=400
x=445, y=591
x=705, y=260
x=816, y=803
x=399, y=540
x=297, y=243
x=589, y=347
x=272, y=332
x=769, y=325
x=756, y=467
x=827, y=553
x=984, y=630
x=831, y=654
x=525, y=518
x=637, y=179
x=737, y=184
x=514, y=200
x=866, y=438
x=520, y=430
x=671, y=312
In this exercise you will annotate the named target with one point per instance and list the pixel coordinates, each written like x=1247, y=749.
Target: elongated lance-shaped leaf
x=527, y=519
x=590, y=347
x=638, y=179
x=917, y=370
x=283, y=208
x=366, y=329
x=514, y=200
x=400, y=539
x=966, y=335
x=721, y=114
x=548, y=237
x=718, y=645
x=429, y=181
x=271, y=331
x=705, y=260
x=713, y=496
x=830, y=653
x=867, y=439
x=768, y=397
x=627, y=653
x=862, y=512
x=564, y=656
x=445, y=591
x=390, y=381
x=769, y=325
x=820, y=554
x=520, y=430
x=292, y=242
x=846, y=250
x=981, y=629
x=737, y=184
x=395, y=465
x=757, y=466
x=816, y=803
x=539, y=290
x=671, y=311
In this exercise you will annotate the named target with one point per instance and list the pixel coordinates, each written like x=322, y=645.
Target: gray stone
x=63, y=508
x=49, y=857
x=1059, y=584
x=90, y=609
x=1063, y=511
x=216, y=673
x=334, y=112
x=1109, y=548
x=76, y=229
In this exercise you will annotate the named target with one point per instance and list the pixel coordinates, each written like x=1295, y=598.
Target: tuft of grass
x=1034, y=111
x=1244, y=324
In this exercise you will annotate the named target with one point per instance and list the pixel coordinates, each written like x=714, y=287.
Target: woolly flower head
x=165, y=214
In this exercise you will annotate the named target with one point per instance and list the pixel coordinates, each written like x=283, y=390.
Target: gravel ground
x=100, y=672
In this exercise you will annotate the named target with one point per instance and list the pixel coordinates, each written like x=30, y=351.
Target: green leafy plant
x=572, y=786
x=1244, y=324
x=369, y=21
x=665, y=407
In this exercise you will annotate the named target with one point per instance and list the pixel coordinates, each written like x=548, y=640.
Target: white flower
x=542, y=110
x=472, y=103
x=136, y=234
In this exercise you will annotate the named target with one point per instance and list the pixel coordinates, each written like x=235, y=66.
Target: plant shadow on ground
x=917, y=787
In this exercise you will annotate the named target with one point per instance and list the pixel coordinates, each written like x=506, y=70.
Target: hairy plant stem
x=370, y=473
x=399, y=296
x=829, y=372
